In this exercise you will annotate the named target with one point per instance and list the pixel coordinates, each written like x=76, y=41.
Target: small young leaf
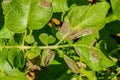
x=59, y=35
x=51, y=39
x=47, y=39
x=30, y=39
x=44, y=38
x=33, y=53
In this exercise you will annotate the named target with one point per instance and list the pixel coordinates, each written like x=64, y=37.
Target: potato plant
x=59, y=39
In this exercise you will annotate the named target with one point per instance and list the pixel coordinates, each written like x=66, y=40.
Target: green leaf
x=30, y=39
x=13, y=74
x=5, y=67
x=16, y=58
x=89, y=74
x=21, y=60
x=116, y=7
x=2, y=42
x=47, y=39
x=31, y=54
x=60, y=5
x=22, y=14
x=51, y=39
x=6, y=33
x=89, y=16
x=3, y=55
x=94, y=58
x=44, y=38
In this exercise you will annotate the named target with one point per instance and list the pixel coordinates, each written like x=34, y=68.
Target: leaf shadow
x=108, y=37
x=1, y=15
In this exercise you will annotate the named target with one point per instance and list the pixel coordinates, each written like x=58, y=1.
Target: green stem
x=41, y=47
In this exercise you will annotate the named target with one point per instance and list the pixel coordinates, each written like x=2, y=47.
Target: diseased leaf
x=65, y=28
x=23, y=14
x=89, y=16
x=94, y=58
x=71, y=64
x=47, y=56
x=76, y=34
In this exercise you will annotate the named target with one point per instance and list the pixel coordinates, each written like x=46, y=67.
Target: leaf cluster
x=60, y=39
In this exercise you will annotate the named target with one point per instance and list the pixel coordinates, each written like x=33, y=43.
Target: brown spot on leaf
x=46, y=3
x=65, y=27
x=94, y=57
x=74, y=34
x=71, y=64
x=31, y=66
x=81, y=65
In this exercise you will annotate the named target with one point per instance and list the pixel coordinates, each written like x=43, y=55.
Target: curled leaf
x=74, y=34
x=71, y=64
x=47, y=56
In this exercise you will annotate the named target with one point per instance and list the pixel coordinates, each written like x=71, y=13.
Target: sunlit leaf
x=88, y=16
x=22, y=14
x=94, y=58
x=30, y=39
x=60, y=5
x=116, y=7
